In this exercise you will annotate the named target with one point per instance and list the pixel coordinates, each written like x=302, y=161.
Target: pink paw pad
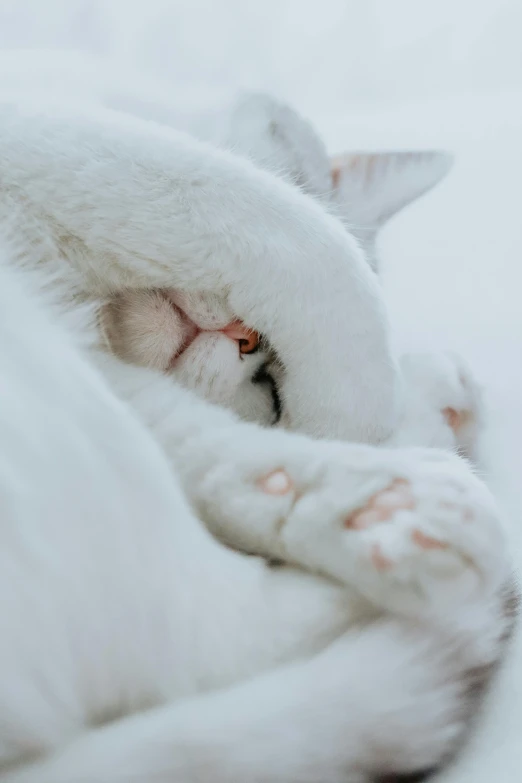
x=380, y=561
x=456, y=419
x=427, y=542
x=381, y=506
x=276, y=483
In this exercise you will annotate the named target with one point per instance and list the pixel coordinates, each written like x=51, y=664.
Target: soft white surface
x=376, y=73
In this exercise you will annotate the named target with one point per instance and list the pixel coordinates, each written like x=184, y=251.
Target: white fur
x=250, y=673
x=364, y=190
x=115, y=598
x=134, y=204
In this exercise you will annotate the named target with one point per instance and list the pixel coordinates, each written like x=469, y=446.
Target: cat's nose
x=236, y=331
x=248, y=339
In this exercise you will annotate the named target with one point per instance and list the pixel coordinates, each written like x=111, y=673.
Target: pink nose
x=248, y=339
x=237, y=331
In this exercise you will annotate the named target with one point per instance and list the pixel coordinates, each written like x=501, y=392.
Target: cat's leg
x=408, y=527
x=384, y=701
x=413, y=527
x=132, y=204
x=413, y=530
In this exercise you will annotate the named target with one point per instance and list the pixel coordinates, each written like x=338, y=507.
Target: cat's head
x=175, y=334
x=364, y=189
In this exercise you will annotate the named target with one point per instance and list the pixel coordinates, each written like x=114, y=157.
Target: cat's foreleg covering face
x=136, y=205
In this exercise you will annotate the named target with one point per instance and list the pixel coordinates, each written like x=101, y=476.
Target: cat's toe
x=430, y=540
x=464, y=412
x=420, y=533
x=443, y=405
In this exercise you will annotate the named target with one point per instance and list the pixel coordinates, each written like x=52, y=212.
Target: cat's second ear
x=372, y=187
x=369, y=188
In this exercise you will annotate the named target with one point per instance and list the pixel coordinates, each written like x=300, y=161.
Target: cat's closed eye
x=264, y=377
x=232, y=366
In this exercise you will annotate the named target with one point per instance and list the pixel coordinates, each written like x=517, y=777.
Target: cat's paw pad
x=277, y=482
x=456, y=419
x=381, y=508
x=464, y=412
x=441, y=388
x=427, y=539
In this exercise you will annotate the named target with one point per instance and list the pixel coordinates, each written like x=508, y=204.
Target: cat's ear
x=372, y=187
x=369, y=188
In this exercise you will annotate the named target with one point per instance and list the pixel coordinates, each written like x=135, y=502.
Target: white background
x=376, y=73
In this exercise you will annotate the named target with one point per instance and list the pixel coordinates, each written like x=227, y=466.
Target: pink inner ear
x=360, y=165
x=352, y=162
x=374, y=186
x=337, y=165
x=237, y=331
x=336, y=175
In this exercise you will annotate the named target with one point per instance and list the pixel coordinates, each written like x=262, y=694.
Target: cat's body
x=116, y=598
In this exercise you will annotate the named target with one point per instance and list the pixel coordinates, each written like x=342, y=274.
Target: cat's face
x=180, y=334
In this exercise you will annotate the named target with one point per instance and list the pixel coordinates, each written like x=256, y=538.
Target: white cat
x=116, y=599
x=148, y=327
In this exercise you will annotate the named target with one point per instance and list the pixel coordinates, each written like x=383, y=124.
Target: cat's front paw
x=428, y=539
x=443, y=406
x=410, y=529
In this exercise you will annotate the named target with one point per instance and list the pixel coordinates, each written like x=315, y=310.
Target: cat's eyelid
x=263, y=376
